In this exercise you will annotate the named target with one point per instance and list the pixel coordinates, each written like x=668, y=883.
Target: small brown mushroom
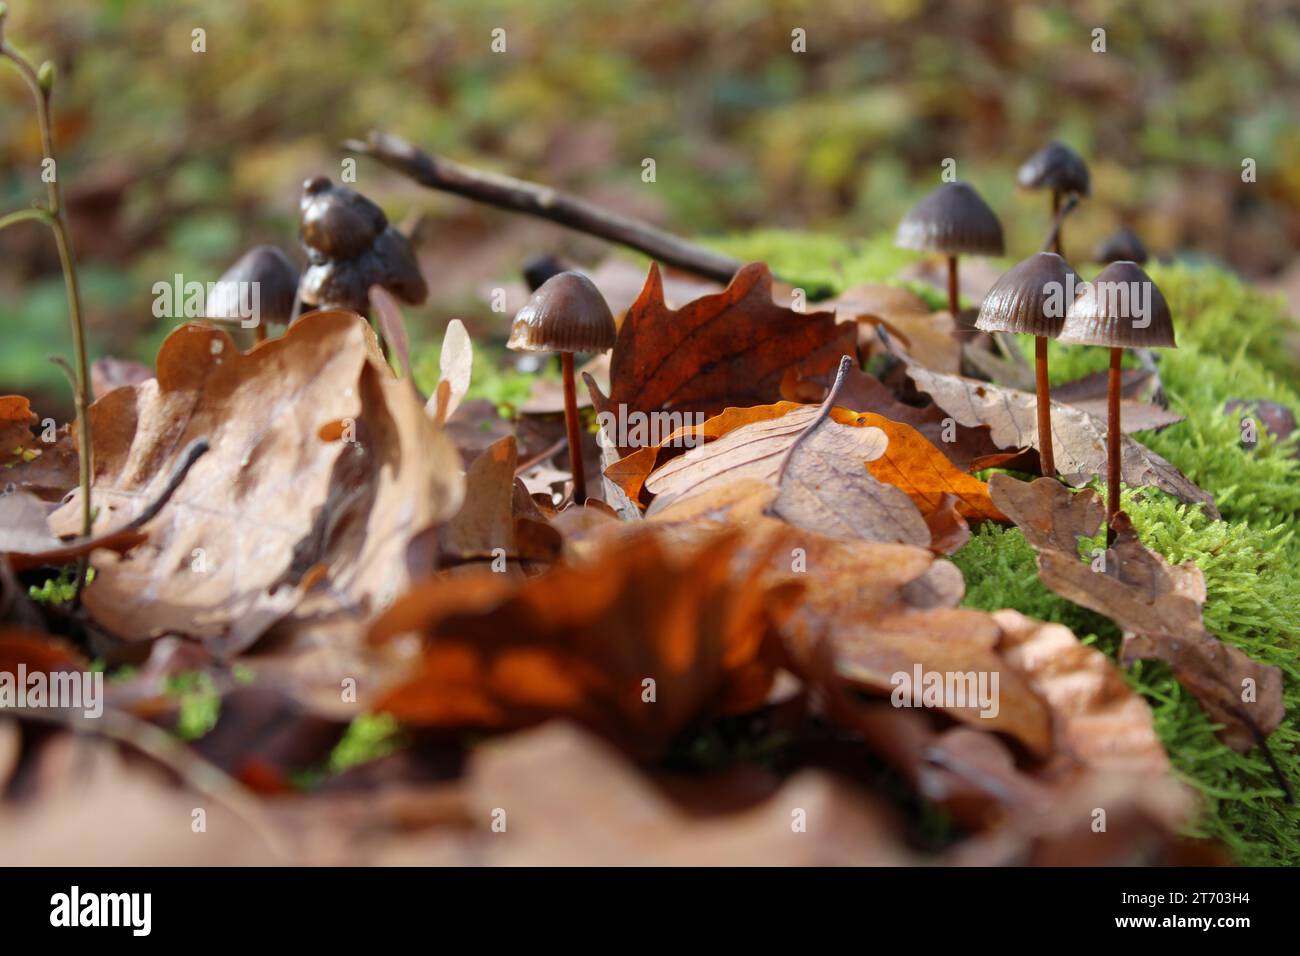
x=1060, y=169
x=566, y=315
x=1122, y=245
x=262, y=279
x=952, y=220
x=1121, y=308
x=350, y=247
x=1031, y=298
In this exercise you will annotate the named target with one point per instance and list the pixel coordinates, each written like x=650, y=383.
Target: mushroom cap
x=954, y=220
x=276, y=279
x=345, y=283
x=1030, y=298
x=338, y=222
x=1122, y=245
x=537, y=269
x=567, y=314
x=1055, y=167
x=1111, y=311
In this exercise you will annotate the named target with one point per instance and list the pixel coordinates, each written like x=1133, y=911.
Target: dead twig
x=518, y=195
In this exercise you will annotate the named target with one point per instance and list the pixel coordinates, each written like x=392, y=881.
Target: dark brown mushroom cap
x=1121, y=308
x=1122, y=245
x=567, y=314
x=338, y=222
x=1030, y=298
x=1055, y=167
x=954, y=220
x=537, y=269
x=345, y=283
x=276, y=281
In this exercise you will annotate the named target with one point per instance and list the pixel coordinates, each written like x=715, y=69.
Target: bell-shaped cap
x=1122, y=245
x=1121, y=308
x=337, y=222
x=1031, y=298
x=567, y=314
x=953, y=220
x=262, y=275
x=1055, y=167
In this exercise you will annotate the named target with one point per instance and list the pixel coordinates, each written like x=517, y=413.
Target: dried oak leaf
x=541, y=776
x=583, y=640
x=731, y=348
x=45, y=468
x=819, y=467
x=1079, y=439
x=1156, y=604
x=322, y=466
x=26, y=540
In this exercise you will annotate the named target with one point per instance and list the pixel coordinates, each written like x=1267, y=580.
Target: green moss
x=368, y=737
x=200, y=703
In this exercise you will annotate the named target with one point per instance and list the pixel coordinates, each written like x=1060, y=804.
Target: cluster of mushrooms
x=351, y=247
x=953, y=220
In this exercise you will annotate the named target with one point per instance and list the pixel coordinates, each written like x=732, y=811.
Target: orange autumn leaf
x=912, y=463
x=636, y=644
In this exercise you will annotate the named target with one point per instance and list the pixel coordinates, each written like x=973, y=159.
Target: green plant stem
x=36, y=213
x=54, y=216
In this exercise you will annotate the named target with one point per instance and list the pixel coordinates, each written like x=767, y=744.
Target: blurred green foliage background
x=175, y=161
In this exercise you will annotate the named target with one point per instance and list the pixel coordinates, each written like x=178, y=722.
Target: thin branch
x=517, y=195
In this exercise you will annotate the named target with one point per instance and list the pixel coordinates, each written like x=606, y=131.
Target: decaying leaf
x=455, y=366
x=320, y=459
x=1079, y=439
x=635, y=644
x=731, y=348
x=819, y=467
x=1156, y=604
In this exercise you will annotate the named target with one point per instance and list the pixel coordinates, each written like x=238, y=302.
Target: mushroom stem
x=1056, y=215
x=1044, y=403
x=571, y=424
x=952, y=286
x=1112, y=443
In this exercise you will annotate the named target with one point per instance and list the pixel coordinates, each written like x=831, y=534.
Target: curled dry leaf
x=1156, y=604
x=819, y=467
x=731, y=348
x=636, y=644
x=321, y=462
x=455, y=367
x=1079, y=439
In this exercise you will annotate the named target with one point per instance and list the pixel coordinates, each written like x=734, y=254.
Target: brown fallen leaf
x=818, y=465
x=1156, y=604
x=1079, y=439
x=731, y=348
x=636, y=644
x=928, y=337
x=44, y=465
x=538, y=779
x=276, y=497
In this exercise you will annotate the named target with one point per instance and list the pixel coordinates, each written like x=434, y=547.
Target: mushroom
x=952, y=220
x=263, y=280
x=1031, y=299
x=537, y=269
x=566, y=314
x=1060, y=169
x=350, y=247
x=1122, y=245
x=1121, y=308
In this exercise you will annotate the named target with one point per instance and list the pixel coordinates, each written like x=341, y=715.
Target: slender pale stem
x=54, y=215
x=1044, y=403
x=952, y=286
x=1112, y=442
x=575, y=435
